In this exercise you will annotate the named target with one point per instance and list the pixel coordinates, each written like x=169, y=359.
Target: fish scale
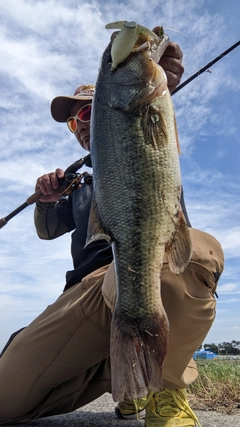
x=136, y=206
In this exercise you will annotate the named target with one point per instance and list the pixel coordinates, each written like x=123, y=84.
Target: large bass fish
x=136, y=201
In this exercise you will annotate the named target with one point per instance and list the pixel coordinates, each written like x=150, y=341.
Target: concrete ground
x=100, y=413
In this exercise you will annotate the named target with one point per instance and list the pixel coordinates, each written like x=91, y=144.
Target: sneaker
x=129, y=410
x=170, y=408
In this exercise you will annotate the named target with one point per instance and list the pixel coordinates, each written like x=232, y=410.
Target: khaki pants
x=61, y=360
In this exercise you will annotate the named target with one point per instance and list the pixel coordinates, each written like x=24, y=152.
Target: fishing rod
x=69, y=183
x=206, y=67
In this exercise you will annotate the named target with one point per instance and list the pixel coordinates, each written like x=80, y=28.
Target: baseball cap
x=60, y=106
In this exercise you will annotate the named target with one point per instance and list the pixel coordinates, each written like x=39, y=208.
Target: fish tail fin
x=137, y=354
x=179, y=251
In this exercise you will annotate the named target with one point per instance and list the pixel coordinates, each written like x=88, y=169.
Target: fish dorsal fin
x=96, y=230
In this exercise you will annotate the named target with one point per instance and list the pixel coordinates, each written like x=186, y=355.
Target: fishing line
x=185, y=35
x=191, y=41
x=206, y=67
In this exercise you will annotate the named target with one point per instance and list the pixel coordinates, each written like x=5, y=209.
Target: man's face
x=83, y=129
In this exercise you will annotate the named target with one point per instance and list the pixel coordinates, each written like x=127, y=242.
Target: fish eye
x=155, y=118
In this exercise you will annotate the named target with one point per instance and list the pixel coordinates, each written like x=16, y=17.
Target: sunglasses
x=84, y=115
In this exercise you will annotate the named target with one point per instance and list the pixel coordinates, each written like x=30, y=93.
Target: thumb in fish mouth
x=159, y=31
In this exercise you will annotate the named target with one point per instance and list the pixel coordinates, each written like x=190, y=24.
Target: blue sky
x=48, y=48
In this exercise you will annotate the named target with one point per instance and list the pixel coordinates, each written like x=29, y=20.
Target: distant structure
x=204, y=354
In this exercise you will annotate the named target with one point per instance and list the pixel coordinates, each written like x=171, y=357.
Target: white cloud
x=229, y=288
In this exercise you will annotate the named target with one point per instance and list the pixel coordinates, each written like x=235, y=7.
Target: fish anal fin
x=137, y=354
x=96, y=230
x=179, y=250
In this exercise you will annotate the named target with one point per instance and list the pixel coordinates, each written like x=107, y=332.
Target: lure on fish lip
x=125, y=41
x=136, y=207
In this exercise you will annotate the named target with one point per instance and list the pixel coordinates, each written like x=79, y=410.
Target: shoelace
x=141, y=401
x=171, y=402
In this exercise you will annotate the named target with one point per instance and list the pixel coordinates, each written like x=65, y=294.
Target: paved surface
x=100, y=413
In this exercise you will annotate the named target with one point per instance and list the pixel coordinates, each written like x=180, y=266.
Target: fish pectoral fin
x=155, y=128
x=179, y=250
x=96, y=230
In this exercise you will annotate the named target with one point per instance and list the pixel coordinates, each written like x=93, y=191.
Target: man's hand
x=171, y=62
x=49, y=185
